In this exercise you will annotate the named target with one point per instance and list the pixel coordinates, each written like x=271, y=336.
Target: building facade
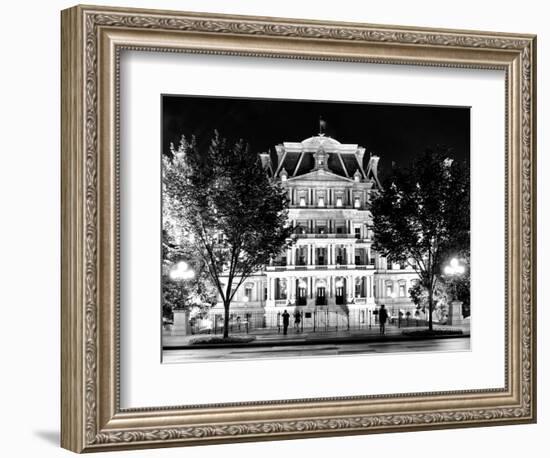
x=330, y=273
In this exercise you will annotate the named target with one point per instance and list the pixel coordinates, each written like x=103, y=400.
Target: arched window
x=248, y=292
x=389, y=288
x=402, y=288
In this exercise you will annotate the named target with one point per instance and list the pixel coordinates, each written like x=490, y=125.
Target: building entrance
x=302, y=296
x=321, y=296
x=340, y=295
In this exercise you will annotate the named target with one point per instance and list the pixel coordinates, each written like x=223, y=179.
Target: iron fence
x=317, y=320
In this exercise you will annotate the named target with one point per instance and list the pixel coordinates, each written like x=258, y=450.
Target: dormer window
x=321, y=158
x=283, y=175
x=357, y=176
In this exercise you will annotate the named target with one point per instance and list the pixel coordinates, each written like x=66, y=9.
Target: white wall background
x=29, y=229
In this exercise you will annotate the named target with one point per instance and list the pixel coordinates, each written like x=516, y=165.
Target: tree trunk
x=430, y=308
x=226, y=320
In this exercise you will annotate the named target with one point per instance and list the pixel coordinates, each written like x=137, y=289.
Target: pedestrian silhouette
x=286, y=321
x=297, y=320
x=382, y=318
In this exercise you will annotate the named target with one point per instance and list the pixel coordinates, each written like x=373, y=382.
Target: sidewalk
x=265, y=337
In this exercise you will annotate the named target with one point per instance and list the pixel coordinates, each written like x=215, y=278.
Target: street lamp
x=453, y=270
x=181, y=272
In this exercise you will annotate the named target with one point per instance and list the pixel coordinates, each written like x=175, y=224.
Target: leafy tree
x=419, y=296
x=422, y=216
x=236, y=216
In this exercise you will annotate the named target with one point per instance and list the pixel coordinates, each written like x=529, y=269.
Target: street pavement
x=267, y=336
x=309, y=350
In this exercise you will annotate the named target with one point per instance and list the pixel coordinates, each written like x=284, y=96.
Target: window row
x=339, y=227
x=327, y=198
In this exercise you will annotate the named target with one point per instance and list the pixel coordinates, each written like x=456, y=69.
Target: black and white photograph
x=311, y=228
x=275, y=228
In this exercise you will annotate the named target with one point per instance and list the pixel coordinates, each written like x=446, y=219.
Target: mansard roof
x=343, y=160
x=321, y=175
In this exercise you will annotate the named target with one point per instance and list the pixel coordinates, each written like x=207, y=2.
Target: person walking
x=297, y=320
x=286, y=321
x=382, y=318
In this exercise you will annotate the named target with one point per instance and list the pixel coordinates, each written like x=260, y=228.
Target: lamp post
x=180, y=273
x=454, y=269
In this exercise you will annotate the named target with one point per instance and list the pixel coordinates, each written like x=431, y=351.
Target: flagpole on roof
x=322, y=126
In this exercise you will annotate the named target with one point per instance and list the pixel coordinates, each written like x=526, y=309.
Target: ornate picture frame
x=92, y=40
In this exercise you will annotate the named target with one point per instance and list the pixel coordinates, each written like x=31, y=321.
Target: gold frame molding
x=92, y=39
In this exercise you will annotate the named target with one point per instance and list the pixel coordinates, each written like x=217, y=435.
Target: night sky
x=395, y=132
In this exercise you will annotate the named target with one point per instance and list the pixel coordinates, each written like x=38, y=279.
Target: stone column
x=345, y=258
x=314, y=254
x=288, y=289
x=455, y=317
x=181, y=323
x=259, y=295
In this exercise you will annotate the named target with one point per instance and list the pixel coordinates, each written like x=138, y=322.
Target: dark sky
x=394, y=132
